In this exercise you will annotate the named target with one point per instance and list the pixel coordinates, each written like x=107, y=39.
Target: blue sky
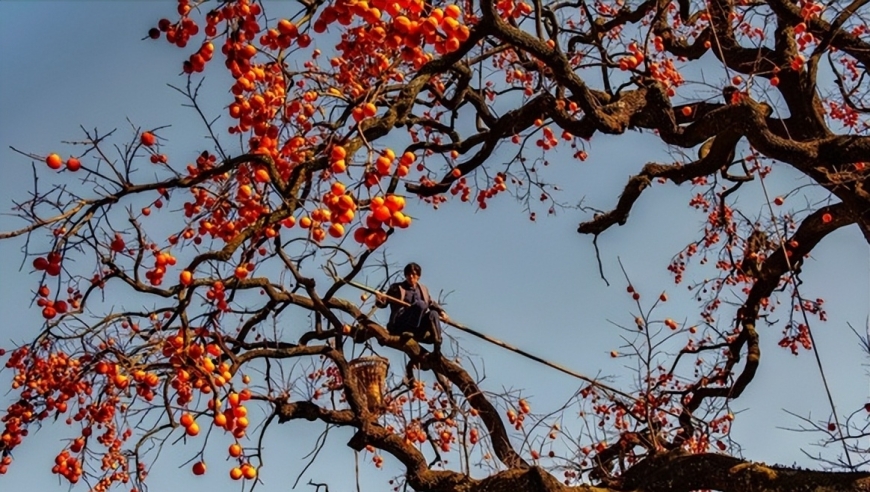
x=533, y=284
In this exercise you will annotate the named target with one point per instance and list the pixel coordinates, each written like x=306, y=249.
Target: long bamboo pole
x=498, y=342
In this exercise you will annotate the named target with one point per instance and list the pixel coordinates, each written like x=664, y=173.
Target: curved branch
x=720, y=156
x=788, y=258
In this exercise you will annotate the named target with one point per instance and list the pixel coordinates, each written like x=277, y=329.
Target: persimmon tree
x=344, y=115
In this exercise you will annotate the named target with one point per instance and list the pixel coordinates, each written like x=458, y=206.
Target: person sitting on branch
x=417, y=316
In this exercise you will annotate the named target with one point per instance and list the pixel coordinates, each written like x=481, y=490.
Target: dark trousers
x=425, y=327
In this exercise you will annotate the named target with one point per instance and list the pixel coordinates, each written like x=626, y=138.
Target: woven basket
x=370, y=374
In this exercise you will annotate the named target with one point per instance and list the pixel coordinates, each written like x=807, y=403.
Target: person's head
x=412, y=273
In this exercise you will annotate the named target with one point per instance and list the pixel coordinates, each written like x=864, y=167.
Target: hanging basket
x=370, y=374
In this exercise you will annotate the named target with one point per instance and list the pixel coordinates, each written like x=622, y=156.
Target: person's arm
x=434, y=306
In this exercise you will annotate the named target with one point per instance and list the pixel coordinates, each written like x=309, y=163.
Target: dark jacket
x=403, y=291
